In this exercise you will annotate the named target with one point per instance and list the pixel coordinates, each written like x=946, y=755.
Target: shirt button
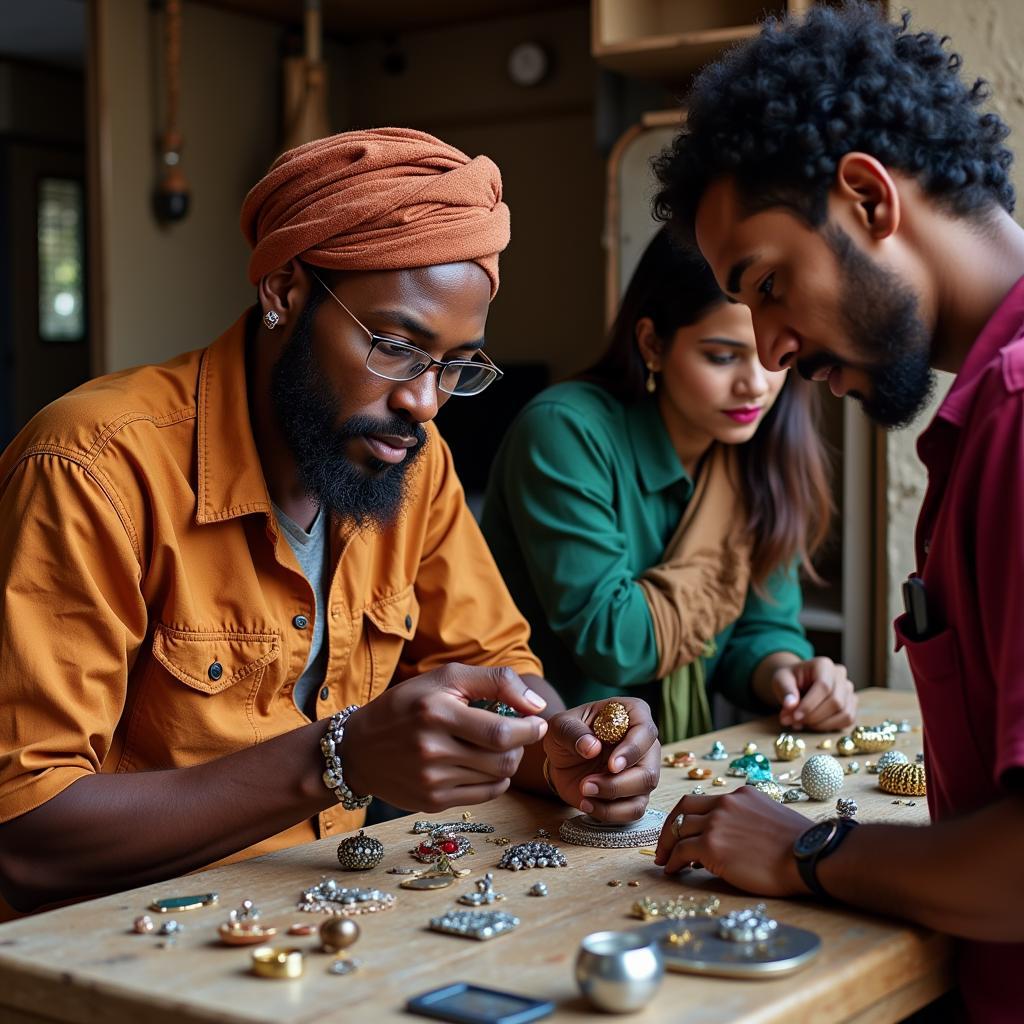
x=300, y=622
x=215, y=671
x=325, y=693
x=408, y=622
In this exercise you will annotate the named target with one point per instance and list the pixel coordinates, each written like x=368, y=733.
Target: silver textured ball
x=822, y=777
x=360, y=852
x=890, y=757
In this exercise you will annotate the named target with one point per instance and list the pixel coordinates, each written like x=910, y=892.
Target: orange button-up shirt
x=138, y=549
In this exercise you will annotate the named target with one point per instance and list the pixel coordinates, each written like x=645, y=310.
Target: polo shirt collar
x=656, y=459
x=230, y=474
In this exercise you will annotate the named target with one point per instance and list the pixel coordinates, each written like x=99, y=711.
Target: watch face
x=814, y=839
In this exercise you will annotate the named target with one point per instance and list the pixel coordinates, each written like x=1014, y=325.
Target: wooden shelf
x=669, y=40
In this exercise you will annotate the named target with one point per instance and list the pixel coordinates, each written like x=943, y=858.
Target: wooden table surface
x=83, y=963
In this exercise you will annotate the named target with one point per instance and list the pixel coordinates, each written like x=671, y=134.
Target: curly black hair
x=779, y=112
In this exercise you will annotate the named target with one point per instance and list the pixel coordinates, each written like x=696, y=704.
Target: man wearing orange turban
x=215, y=570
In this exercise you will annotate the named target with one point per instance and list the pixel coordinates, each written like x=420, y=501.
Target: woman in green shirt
x=627, y=578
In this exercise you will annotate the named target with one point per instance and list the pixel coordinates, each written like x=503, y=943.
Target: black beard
x=307, y=411
x=882, y=322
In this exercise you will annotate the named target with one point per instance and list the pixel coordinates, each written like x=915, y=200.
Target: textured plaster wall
x=989, y=35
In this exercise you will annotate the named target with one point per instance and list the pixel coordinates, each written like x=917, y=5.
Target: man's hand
x=815, y=694
x=744, y=837
x=609, y=784
x=420, y=746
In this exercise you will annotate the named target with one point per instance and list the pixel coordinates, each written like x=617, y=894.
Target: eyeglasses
x=398, y=360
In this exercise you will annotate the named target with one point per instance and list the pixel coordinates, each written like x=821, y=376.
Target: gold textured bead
x=903, y=780
x=720, y=781
x=789, y=747
x=750, y=748
x=770, y=788
x=612, y=722
x=873, y=739
x=825, y=745
x=845, y=746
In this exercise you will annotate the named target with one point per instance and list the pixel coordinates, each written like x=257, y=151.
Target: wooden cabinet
x=840, y=616
x=671, y=39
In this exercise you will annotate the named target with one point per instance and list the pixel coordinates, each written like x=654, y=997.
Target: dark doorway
x=44, y=337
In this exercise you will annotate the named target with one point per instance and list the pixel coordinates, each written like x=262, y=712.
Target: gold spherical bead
x=338, y=933
x=903, y=780
x=612, y=722
x=845, y=746
x=789, y=747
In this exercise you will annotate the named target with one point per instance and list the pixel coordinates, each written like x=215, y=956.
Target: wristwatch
x=816, y=843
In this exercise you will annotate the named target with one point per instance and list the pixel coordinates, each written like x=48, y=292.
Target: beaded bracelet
x=330, y=744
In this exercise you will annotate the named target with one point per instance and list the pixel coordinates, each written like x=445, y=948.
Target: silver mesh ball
x=822, y=777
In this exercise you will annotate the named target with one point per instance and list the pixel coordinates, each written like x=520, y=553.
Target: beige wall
x=176, y=287
x=549, y=308
x=989, y=34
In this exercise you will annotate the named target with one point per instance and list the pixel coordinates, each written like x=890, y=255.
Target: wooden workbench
x=83, y=963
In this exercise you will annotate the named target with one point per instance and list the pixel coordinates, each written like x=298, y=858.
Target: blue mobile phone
x=473, y=1004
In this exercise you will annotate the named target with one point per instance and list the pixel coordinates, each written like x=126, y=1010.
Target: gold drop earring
x=651, y=384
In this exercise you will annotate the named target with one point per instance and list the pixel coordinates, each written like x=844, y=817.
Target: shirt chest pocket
x=389, y=625
x=197, y=698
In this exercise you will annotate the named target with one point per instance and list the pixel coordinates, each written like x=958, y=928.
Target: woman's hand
x=815, y=694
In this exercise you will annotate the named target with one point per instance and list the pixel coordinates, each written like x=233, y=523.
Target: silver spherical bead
x=890, y=757
x=822, y=777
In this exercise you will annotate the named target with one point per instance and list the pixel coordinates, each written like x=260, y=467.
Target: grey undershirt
x=312, y=551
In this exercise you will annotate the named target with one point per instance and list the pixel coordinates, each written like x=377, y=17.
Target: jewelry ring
x=677, y=824
x=277, y=962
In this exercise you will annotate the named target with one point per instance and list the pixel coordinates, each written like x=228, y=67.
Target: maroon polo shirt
x=969, y=671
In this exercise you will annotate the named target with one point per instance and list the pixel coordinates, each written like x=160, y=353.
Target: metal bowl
x=619, y=972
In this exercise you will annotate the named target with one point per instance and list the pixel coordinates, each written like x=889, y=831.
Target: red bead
x=425, y=849
x=449, y=846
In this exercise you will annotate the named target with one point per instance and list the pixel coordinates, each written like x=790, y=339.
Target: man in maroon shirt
x=845, y=183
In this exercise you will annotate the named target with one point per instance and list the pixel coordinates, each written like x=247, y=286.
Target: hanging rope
x=172, y=196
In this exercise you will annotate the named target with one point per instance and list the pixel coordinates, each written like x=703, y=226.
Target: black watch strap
x=809, y=868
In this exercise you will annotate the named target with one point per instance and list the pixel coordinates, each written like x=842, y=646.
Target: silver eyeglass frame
x=430, y=362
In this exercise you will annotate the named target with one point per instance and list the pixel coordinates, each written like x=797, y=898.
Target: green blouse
x=584, y=496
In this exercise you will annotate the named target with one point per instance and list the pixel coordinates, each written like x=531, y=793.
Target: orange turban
x=383, y=199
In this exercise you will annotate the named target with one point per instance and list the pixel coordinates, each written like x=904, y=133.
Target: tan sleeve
x=72, y=620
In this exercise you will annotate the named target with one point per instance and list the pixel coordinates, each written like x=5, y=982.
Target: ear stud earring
x=271, y=319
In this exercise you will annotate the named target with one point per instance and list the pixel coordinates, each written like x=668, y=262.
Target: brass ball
x=612, y=722
x=338, y=933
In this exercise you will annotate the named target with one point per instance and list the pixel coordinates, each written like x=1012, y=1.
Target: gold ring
x=677, y=824
x=277, y=962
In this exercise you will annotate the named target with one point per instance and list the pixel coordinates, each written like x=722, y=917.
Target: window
x=61, y=239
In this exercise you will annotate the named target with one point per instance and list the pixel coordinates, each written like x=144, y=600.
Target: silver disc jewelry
x=327, y=897
x=421, y=827
x=360, y=852
x=532, y=855
x=475, y=924
x=583, y=830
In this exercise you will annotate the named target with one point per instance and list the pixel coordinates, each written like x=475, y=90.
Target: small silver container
x=619, y=972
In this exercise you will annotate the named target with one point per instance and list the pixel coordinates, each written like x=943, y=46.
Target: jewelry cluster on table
x=676, y=921
x=821, y=777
